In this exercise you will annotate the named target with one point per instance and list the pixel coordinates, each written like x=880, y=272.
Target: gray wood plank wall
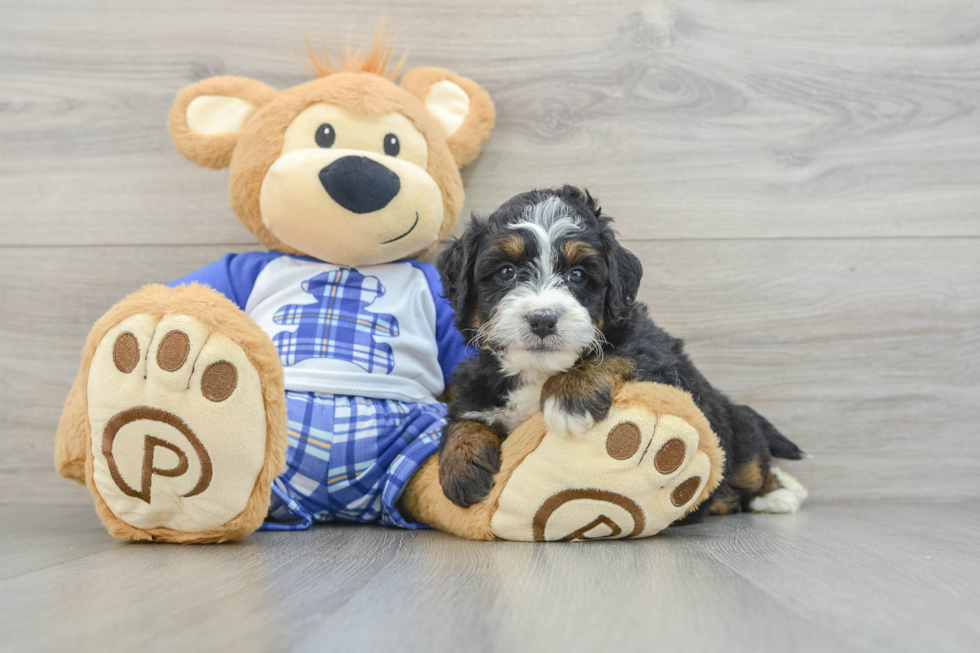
x=801, y=181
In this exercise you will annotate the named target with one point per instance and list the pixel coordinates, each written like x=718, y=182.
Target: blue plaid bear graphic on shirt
x=338, y=325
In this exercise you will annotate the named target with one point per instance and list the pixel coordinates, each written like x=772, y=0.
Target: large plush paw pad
x=178, y=424
x=630, y=475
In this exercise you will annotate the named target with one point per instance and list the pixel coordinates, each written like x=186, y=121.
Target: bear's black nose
x=360, y=184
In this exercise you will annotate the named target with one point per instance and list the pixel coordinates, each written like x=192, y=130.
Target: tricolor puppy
x=547, y=293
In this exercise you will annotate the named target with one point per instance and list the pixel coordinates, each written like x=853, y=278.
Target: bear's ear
x=464, y=110
x=207, y=117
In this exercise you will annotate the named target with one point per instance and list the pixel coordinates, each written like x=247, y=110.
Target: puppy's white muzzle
x=528, y=342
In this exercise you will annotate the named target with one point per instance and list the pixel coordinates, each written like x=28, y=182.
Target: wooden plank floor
x=891, y=576
x=800, y=180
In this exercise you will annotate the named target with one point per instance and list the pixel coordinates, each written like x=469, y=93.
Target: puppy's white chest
x=522, y=403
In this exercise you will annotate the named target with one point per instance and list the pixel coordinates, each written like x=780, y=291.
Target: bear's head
x=349, y=168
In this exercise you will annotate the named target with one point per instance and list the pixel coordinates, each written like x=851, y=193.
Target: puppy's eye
x=576, y=277
x=392, y=146
x=506, y=273
x=325, y=135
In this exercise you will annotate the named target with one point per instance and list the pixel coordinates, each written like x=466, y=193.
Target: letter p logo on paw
x=150, y=445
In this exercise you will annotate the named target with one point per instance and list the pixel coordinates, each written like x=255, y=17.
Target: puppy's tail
x=779, y=445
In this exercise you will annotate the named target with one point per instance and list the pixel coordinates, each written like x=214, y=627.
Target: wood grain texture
x=859, y=577
x=691, y=119
x=864, y=352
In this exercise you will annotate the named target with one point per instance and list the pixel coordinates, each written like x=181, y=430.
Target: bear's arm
x=451, y=344
x=233, y=275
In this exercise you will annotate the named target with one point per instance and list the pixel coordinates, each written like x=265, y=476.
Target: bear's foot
x=178, y=432
x=630, y=475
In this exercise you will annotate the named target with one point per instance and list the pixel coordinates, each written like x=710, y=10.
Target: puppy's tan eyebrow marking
x=513, y=245
x=576, y=250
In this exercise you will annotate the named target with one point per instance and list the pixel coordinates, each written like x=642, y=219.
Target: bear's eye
x=325, y=135
x=392, y=146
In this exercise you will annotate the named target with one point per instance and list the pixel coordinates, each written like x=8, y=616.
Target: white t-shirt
x=381, y=331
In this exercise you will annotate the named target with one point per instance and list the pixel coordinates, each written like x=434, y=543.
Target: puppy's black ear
x=625, y=270
x=451, y=263
x=457, y=269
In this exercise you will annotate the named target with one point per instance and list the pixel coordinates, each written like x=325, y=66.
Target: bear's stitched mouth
x=414, y=224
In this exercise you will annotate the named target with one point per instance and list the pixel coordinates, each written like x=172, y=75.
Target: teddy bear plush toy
x=278, y=389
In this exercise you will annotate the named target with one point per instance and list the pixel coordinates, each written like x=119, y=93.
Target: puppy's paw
x=573, y=401
x=783, y=494
x=467, y=462
x=562, y=421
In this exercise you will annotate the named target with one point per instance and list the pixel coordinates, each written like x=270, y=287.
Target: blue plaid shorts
x=349, y=459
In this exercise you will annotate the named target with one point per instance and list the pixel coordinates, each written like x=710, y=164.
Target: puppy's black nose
x=360, y=184
x=543, y=323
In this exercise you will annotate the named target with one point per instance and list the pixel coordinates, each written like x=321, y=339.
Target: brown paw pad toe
x=671, y=456
x=219, y=380
x=173, y=351
x=623, y=441
x=685, y=491
x=126, y=352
